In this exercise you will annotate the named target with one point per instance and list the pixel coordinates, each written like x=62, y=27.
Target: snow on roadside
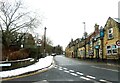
x=43, y=62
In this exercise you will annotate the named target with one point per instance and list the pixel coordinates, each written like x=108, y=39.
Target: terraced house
x=112, y=35
x=101, y=44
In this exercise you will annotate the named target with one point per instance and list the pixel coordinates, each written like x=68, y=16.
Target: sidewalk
x=107, y=62
x=41, y=64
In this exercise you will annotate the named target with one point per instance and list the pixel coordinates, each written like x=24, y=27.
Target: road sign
x=118, y=42
x=39, y=41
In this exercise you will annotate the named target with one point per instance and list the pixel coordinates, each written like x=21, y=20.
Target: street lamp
x=102, y=37
x=85, y=37
x=45, y=41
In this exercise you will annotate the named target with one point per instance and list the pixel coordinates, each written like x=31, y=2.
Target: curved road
x=67, y=70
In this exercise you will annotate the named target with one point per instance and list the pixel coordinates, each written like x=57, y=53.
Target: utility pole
x=85, y=38
x=45, y=42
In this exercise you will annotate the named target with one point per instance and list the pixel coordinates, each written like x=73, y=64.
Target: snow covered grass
x=42, y=63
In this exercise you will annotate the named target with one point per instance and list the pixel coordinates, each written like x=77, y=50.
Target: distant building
x=101, y=44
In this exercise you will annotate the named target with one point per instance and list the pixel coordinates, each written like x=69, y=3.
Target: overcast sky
x=64, y=18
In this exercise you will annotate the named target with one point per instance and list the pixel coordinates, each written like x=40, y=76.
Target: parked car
x=53, y=54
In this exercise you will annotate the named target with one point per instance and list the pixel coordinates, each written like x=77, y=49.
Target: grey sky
x=64, y=18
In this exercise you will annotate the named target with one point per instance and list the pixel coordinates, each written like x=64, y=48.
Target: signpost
x=39, y=42
x=118, y=43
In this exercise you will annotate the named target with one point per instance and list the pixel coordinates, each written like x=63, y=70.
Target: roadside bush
x=20, y=54
x=33, y=52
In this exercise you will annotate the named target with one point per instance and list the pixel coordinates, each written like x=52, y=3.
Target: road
x=68, y=70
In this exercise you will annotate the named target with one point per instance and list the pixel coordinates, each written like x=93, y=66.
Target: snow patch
x=42, y=63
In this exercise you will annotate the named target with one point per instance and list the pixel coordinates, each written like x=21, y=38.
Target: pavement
x=99, y=61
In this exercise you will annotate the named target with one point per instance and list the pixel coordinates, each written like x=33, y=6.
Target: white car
x=53, y=54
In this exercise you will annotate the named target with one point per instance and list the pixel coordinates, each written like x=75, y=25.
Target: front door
x=97, y=53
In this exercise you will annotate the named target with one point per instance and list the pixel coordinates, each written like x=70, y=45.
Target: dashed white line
x=90, y=76
x=60, y=69
x=74, y=74
x=101, y=80
x=105, y=68
x=65, y=68
x=71, y=70
x=45, y=80
x=79, y=73
x=66, y=71
x=85, y=78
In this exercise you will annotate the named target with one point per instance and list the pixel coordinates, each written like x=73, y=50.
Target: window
x=111, y=49
x=114, y=49
x=110, y=33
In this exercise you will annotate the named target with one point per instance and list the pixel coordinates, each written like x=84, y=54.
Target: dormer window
x=110, y=33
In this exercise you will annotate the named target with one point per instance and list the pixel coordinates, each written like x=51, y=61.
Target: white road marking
x=66, y=71
x=65, y=68
x=85, y=78
x=60, y=69
x=45, y=80
x=70, y=80
x=105, y=68
x=90, y=76
x=71, y=70
x=74, y=74
x=79, y=73
x=101, y=80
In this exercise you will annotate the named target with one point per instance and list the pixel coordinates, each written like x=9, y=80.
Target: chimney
x=96, y=28
x=71, y=40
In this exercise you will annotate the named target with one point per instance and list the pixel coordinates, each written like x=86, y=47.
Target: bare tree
x=13, y=20
x=48, y=40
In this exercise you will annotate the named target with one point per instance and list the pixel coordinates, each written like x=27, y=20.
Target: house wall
x=110, y=42
x=103, y=51
x=81, y=52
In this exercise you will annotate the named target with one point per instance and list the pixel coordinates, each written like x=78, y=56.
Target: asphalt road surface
x=68, y=70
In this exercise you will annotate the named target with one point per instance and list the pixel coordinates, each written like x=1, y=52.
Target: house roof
x=117, y=19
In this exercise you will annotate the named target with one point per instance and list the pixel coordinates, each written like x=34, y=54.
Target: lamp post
x=101, y=37
x=92, y=47
x=45, y=41
x=85, y=38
